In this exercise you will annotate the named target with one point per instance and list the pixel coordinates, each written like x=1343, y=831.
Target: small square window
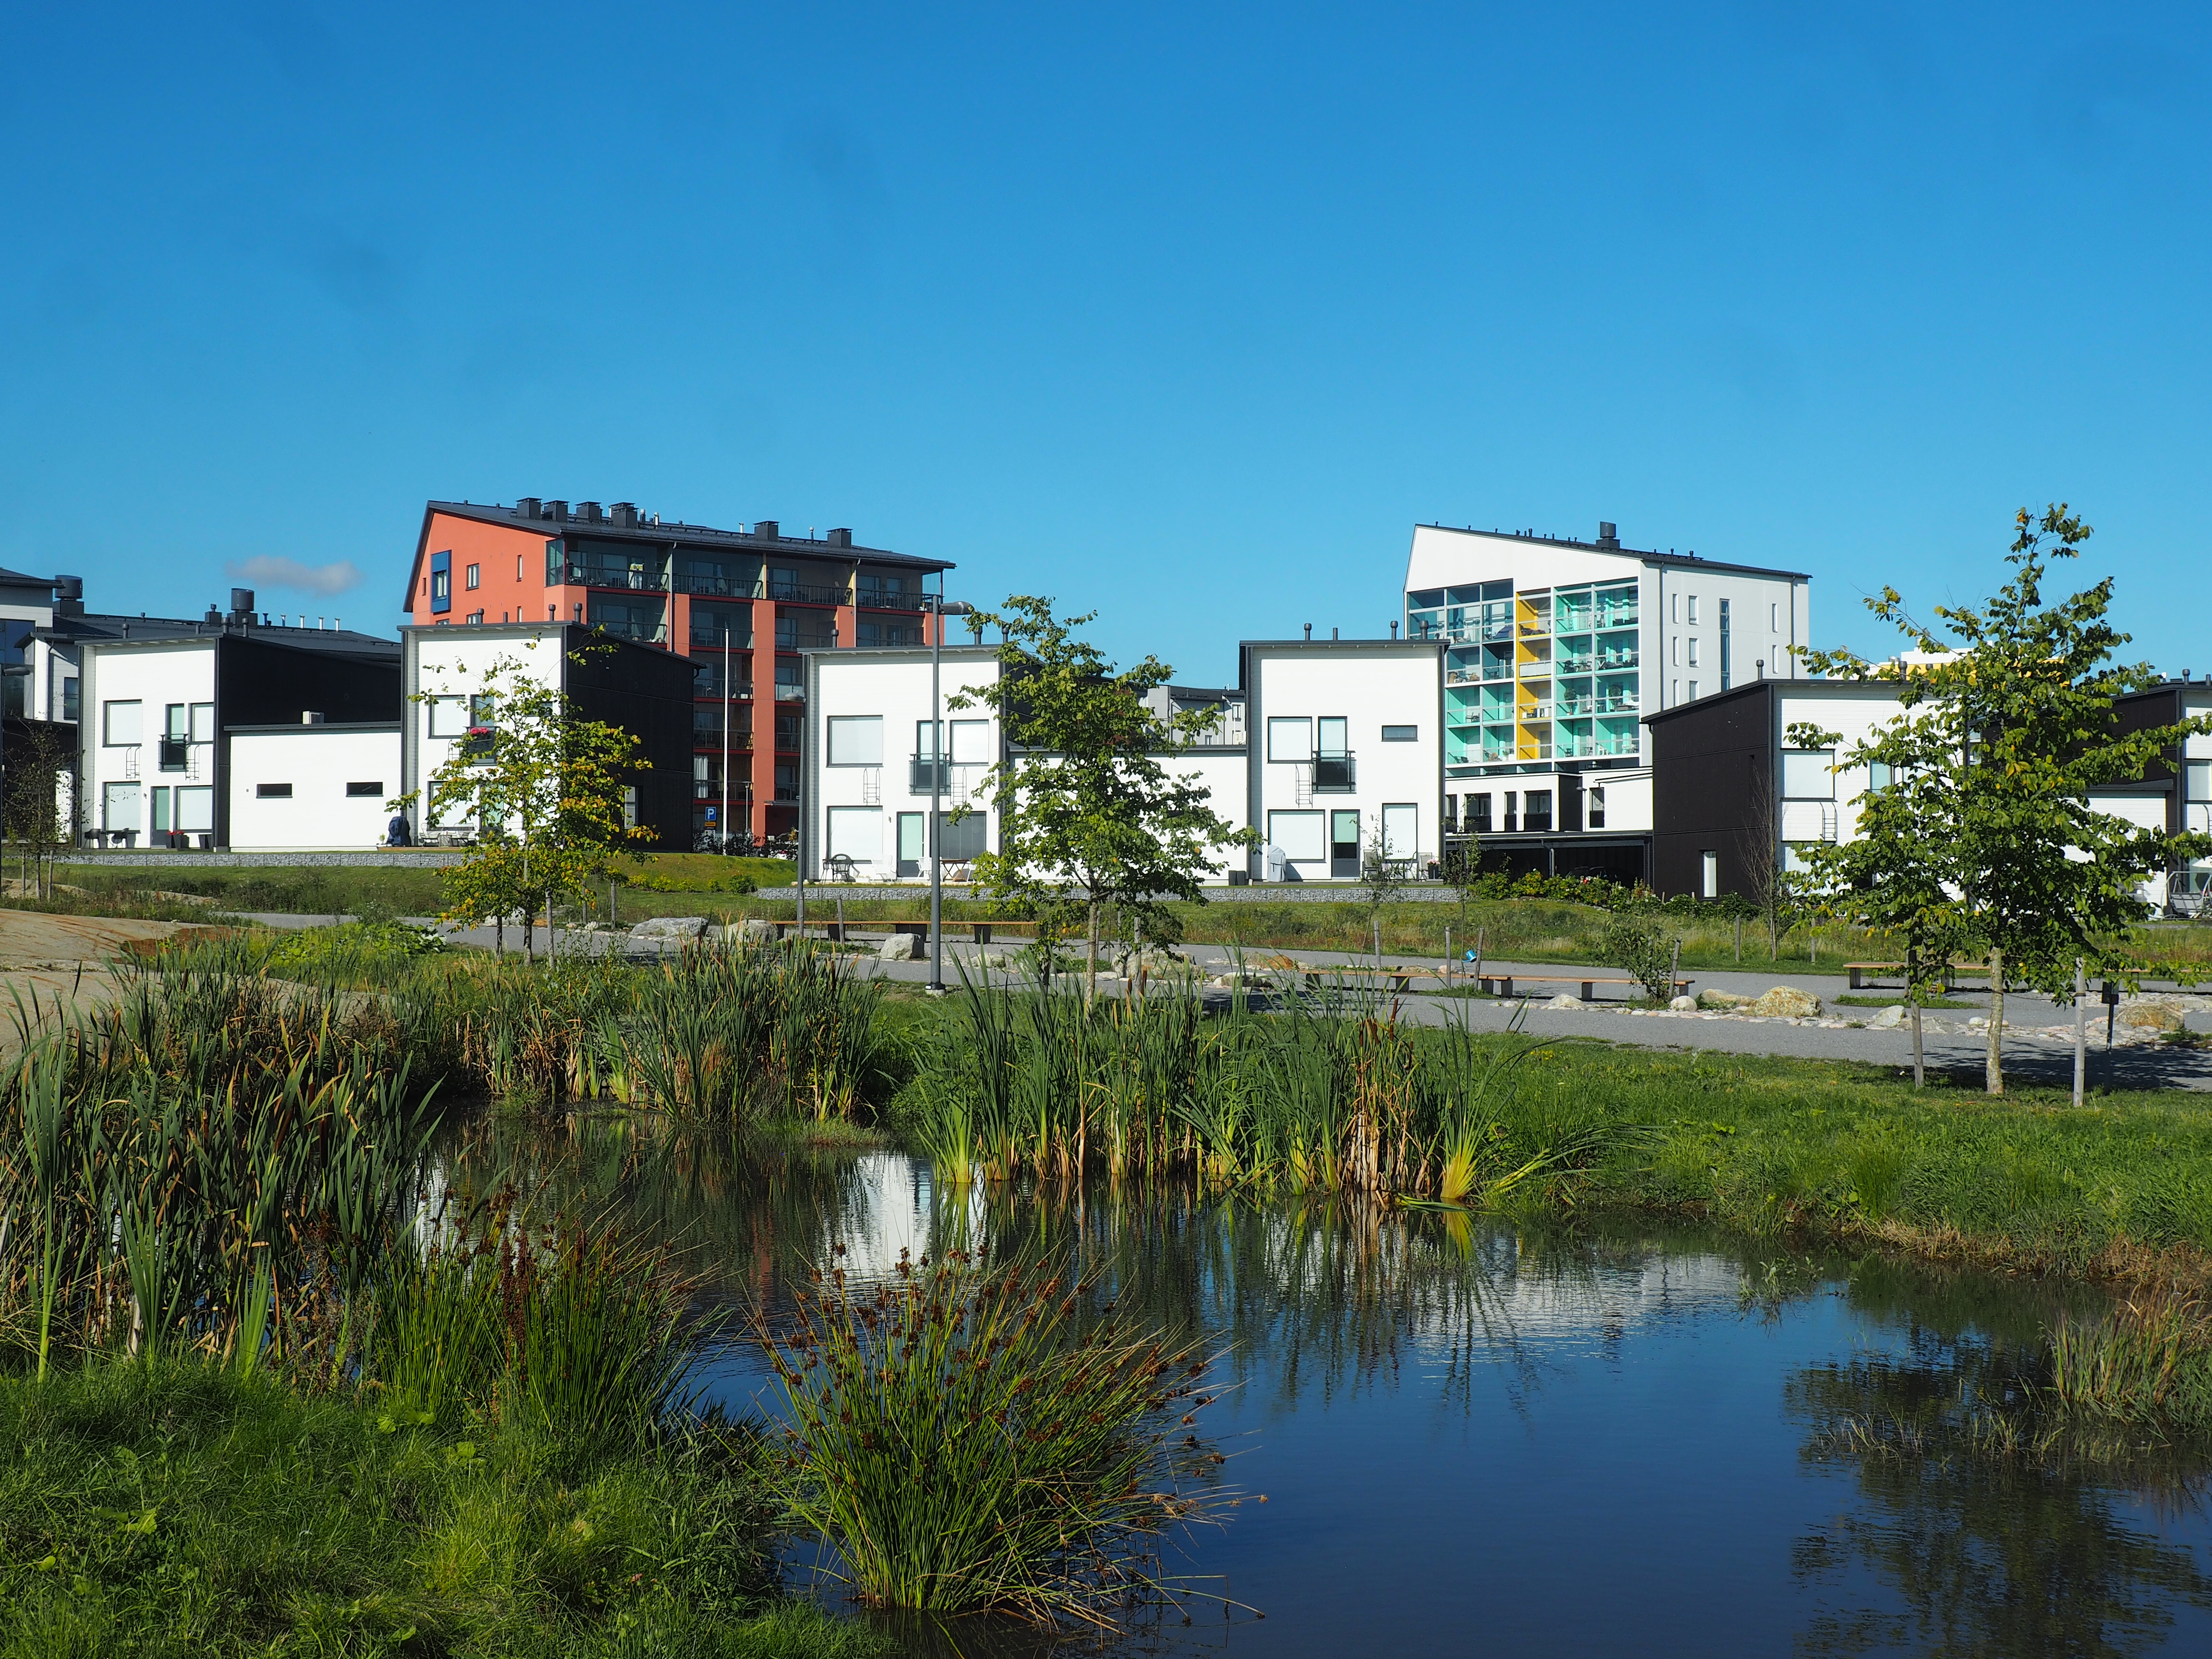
x=373, y=790
x=273, y=791
x=1401, y=734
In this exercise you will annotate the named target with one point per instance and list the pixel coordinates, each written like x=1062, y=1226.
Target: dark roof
x=101, y=630
x=1777, y=682
x=697, y=535
x=1678, y=561
x=18, y=579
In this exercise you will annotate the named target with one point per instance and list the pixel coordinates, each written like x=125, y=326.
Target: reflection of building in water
x=889, y=1208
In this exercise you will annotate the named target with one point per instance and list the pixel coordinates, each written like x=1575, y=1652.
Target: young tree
x=547, y=791
x=1381, y=877
x=38, y=795
x=1088, y=815
x=2007, y=729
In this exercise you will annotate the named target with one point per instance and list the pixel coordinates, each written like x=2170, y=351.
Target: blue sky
x=1182, y=314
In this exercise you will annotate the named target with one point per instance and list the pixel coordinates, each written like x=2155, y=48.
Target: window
x=475, y=576
x=553, y=564
x=1694, y=690
x=1880, y=774
x=203, y=722
x=118, y=806
x=1512, y=812
x=1676, y=609
x=1594, y=805
x=961, y=841
x=1709, y=875
x=518, y=567
x=1333, y=737
x=194, y=809
x=1692, y=599
x=358, y=791
x=160, y=821
x=1401, y=831
x=1678, y=650
x=474, y=619
x=971, y=742
x=1289, y=739
x=1537, y=819
x=69, y=707
x=2199, y=776
x=449, y=717
x=1774, y=619
x=272, y=791
x=441, y=580
x=1806, y=776
x=856, y=740
x=1298, y=835
x=1401, y=734
x=120, y=722
x=1694, y=653
x=925, y=740
x=856, y=833
x=1477, y=814
x=1344, y=842
x=1724, y=645
x=173, y=722
x=1678, y=691
x=911, y=850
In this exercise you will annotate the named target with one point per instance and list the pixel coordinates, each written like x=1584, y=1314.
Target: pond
x=1474, y=1435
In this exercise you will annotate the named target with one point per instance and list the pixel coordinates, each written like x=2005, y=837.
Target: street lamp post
x=939, y=611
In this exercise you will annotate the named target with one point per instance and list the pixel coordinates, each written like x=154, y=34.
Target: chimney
x=557, y=509
x=767, y=530
x=311, y=717
x=214, y=617
x=588, y=511
x=69, y=596
x=241, y=604
x=841, y=539
x=530, y=507
x=624, y=513
x=1608, y=534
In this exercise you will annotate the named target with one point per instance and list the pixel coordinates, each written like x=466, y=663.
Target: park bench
x=980, y=932
x=1860, y=970
x=1502, y=984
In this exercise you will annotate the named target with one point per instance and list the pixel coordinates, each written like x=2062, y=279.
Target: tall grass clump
x=1335, y=1094
x=972, y=1440
x=2147, y=1366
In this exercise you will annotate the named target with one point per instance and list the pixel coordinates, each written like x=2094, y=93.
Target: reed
x=987, y=1440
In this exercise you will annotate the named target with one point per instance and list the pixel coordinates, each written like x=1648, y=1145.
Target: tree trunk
x=1091, y=959
x=1995, y=1065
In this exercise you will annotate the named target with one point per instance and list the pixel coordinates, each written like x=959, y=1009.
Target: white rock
x=1786, y=1002
x=1889, y=1018
x=1563, y=1001
x=753, y=930
x=662, y=930
x=1684, y=1004
x=899, y=947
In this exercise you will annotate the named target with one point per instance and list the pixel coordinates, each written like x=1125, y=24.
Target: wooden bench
x=980, y=933
x=1859, y=971
x=1502, y=984
x=1398, y=978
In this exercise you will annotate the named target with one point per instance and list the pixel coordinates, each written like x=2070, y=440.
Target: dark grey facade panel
x=1712, y=789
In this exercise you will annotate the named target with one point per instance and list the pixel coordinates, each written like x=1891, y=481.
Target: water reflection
x=1483, y=1437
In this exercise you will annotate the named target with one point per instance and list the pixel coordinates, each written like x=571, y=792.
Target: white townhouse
x=1355, y=757
x=1554, y=651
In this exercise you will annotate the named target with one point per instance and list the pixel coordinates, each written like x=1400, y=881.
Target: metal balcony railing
x=620, y=576
x=924, y=775
x=787, y=692
x=172, y=754
x=705, y=634
x=807, y=592
x=626, y=628
x=804, y=639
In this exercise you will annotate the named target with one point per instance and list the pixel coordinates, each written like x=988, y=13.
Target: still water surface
x=1480, y=1437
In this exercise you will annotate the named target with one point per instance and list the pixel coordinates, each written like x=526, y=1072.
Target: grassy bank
x=173, y=1509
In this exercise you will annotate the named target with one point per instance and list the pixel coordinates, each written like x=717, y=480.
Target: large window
x=856, y=740
x=121, y=722
x=1299, y=833
x=957, y=842
x=1289, y=739
x=1536, y=812
x=449, y=717
x=856, y=833
x=1806, y=776
x=119, y=808
x=971, y=742
x=1401, y=830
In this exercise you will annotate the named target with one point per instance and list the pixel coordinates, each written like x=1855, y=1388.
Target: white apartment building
x=1554, y=651
x=1355, y=750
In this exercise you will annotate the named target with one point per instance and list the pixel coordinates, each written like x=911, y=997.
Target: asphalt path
x=1950, y=1046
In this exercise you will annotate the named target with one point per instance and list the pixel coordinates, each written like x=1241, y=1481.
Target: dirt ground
x=54, y=967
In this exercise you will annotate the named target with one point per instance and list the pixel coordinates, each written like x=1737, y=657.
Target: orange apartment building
x=754, y=598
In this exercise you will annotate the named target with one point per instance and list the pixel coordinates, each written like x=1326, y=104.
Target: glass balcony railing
x=797, y=592
x=1334, y=774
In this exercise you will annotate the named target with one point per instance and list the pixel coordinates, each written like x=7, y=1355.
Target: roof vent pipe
x=1394, y=633
x=767, y=529
x=1332, y=632
x=1608, y=535
x=1308, y=633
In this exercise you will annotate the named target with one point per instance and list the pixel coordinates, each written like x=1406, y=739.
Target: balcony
x=794, y=593
x=706, y=637
x=631, y=627
x=1609, y=660
x=706, y=586
x=789, y=638
x=1528, y=712
x=645, y=581
x=706, y=732
x=787, y=691
x=174, y=755
x=1619, y=705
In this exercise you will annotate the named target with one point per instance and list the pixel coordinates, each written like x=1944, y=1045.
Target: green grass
x=176, y=1510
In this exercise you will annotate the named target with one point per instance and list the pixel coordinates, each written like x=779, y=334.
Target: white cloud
x=273, y=570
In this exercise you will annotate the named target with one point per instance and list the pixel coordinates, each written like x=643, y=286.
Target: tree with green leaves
x=1089, y=816
x=2005, y=730
x=547, y=791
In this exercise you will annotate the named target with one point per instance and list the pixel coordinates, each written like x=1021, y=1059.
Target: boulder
x=1684, y=1004
x=899, y=947
x=1888, y=1018
x=1563, y=1001
x=753, y=930
x=2150, y=1015
x=1720, y=1002
x=1785, y=1002
x=667, y=930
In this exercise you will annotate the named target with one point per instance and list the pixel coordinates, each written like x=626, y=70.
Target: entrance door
x=1344, y=844
x=912, y=848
